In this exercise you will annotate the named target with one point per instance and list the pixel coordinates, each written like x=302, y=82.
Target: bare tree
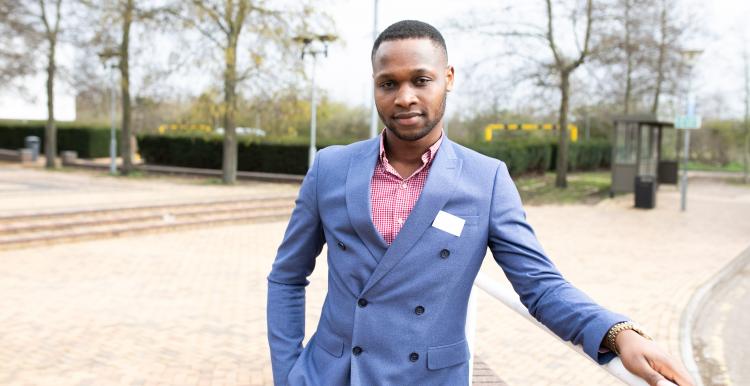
x=551, y=73
x=17, y=43
x=33, y=22
x=48, y=13
x=663, y=44
x=127, y=9
x=225, y=25
x=564, y=68
x=116, y=44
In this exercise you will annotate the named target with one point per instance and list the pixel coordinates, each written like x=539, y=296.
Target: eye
x=422, y=80
x=386, y=85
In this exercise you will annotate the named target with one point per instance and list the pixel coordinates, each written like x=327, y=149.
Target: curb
x=196, y=172
x=702, y=295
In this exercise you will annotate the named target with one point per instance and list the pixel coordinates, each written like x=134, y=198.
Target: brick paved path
x=187, y=308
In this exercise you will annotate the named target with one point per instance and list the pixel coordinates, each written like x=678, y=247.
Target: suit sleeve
x=295, y=261
x=551, y=299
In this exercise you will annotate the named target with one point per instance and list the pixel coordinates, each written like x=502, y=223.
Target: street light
x=689, y=122
x=314, y=45
x=108, y=57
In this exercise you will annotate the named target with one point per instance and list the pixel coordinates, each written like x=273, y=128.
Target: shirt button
x=419, y=310
x=413, y=357
x=400, y=221
x=342, y=246
x=356, y=350
x=403, y=186
x=445, y=253
x=362, y=302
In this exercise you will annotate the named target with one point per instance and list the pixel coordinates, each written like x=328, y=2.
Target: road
x=721, y=335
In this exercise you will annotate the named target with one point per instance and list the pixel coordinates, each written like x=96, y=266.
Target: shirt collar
x=427, y=156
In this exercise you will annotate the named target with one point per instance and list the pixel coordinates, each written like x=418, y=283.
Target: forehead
x=408, y=54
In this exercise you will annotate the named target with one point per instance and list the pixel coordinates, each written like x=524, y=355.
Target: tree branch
x=212, y=13
x=551, y=36
x=586, y=39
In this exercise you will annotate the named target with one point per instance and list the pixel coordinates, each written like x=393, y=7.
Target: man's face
x=412, y=78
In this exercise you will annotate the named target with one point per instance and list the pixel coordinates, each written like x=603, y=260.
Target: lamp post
x=314, y=45
x=374, y=111
x=108, y=57
x=690, y=122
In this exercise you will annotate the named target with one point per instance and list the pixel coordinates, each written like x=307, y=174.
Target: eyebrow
x=418, y=71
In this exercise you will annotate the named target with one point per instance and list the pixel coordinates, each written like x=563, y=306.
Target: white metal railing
x=510, y=299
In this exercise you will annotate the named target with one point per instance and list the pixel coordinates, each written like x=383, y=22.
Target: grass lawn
x=583, y=188
x=731, y=167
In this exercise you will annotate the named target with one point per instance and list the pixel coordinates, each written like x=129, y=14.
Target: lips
x=408, y=118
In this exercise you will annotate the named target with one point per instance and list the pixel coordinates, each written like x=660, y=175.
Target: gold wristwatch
x=609, y=342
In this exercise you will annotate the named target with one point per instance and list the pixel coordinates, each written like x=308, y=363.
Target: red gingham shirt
x=393, y=197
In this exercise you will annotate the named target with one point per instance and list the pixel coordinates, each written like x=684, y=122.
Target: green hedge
x=585, y=155
x=521, y=156
x=87, y=140
x=206, y=152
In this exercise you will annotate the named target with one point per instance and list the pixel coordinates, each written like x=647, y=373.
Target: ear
x=449, y=75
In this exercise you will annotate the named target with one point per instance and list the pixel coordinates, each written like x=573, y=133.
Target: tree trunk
x=50, y=130
x=126, y=134
x=661, y=58
x=629, y=59
x=229, y=162
x=561, y=180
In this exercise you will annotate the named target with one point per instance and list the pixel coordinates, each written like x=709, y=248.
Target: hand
x=647, y=360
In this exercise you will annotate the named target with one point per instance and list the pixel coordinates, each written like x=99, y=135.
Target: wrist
x=621, y=332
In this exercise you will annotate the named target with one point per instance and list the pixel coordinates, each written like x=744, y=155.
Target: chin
x=411, y=133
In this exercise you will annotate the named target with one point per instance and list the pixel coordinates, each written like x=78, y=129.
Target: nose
x=405, y=96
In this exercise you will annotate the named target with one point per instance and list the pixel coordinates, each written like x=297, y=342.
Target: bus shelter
x=644, y=154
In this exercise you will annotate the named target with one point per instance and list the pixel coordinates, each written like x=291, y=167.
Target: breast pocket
x=440, y=357
x=470, y=220
x=330, y=343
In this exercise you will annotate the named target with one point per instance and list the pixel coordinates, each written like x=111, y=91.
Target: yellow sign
x=489, y=129
x=185, y=127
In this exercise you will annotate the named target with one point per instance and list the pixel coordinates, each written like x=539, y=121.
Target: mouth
x=408, y=118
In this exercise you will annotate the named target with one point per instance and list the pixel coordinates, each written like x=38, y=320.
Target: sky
x=718, y=70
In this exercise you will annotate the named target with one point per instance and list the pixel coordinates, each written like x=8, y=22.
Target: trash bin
x=32, y=143
x=645, y=192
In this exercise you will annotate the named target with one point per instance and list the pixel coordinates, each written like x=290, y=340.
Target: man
x=408, y=217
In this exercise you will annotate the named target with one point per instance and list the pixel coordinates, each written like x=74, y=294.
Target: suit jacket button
x=362, y=302
x=445, y=253
x=413, y=357
x=342, y=246
x=356, y=350
x=419, y=310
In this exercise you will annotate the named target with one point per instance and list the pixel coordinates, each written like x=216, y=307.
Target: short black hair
x=410, y=29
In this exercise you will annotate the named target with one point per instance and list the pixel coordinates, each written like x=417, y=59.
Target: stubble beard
x=421, y=133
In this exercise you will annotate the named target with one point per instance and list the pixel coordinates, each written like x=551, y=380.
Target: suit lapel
x=441, y=181
x=358, y=205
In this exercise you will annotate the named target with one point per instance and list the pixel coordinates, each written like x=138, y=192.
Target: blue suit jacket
x=371, y=331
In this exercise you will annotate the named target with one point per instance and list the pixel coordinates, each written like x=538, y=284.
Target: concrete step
x=33, y=224
x=26, y=230
x=35, y=214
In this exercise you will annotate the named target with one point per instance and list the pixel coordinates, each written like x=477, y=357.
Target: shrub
x=88, y=141
x=290, y=157
x=206, y=152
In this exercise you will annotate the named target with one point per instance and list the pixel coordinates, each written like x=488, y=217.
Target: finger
x=647, y=372
x=664, y=382
x=673, y=371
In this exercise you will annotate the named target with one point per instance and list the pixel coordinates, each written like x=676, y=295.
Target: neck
x=410, y=152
